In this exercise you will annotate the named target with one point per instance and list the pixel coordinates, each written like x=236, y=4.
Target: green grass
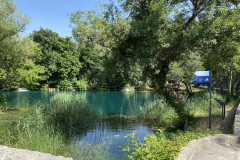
x=48, y=129
x=159, y=112
x=198, y=105
x=68, y=110
x=28, y=129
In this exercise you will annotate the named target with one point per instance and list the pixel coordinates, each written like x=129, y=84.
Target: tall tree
x=97, y=33
x=165, y=31
x=221, y=47
x=58, y=55
x=11, y=21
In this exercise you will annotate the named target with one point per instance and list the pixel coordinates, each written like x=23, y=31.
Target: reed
x=68, y=110
x=159, y=112
x=33, y=132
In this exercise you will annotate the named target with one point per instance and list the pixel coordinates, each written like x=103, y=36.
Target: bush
x=2, y=100
x=81, y=85
x=142, y=86
x=3, y=103
x=65, y=85
x=161, y=146
x=159, y=112
x=44, y=87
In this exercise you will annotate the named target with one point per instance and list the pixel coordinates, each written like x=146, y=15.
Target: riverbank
x=34, y=128
x=167, y=143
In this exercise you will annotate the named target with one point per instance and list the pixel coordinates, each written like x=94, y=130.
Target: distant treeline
x=140, y=44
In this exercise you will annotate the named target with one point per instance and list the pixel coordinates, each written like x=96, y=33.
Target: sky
x=53, y=14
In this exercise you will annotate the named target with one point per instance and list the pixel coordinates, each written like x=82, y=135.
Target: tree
x=17, y=54
x=182, y=71
x=58, y=55
x=97, y=33
x=165, y=31
x=11, y=21
x=221, y=47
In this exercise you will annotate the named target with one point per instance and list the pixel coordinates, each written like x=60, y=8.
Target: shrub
x=161, y=146
x=44, y=87
x=2, y=100
x=159, y=112
x=142, y=86
x=65, y=85
x=81, y=85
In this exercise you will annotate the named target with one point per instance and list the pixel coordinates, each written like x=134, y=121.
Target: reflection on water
x=103, y=142
x=101, y=138
x=126, y=103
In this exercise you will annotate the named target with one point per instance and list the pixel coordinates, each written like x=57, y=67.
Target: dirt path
x=227, y=123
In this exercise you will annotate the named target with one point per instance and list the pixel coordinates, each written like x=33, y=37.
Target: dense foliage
x=138, y=43
x=162, y=145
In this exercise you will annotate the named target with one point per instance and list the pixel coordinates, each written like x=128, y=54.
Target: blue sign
x=202, y=79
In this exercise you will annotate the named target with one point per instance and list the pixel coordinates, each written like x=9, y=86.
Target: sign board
x=202, y=73
x=202, y=79
x=202, y=76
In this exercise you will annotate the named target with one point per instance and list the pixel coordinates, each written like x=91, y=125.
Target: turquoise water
x=101, y=139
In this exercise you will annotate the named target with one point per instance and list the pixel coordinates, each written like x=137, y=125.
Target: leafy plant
x=81, y=85
x=2, y=99
x=161, y=146
x=142, y=86
x=3, y=102
x=65, y=85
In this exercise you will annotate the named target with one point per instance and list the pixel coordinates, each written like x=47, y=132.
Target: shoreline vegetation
x=48, y=128
x=142, y=45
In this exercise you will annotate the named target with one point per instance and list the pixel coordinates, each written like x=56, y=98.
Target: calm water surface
x=101, y=139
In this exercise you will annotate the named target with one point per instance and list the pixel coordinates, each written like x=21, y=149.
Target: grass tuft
x=159, y=112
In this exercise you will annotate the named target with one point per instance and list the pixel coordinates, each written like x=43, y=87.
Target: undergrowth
x=33, y=132
x=48, y=129
x=159, y=112
x=166, y=144
x=162, y=145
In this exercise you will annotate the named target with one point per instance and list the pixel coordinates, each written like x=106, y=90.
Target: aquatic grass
x=68, y=109
x=86, y=151
x=33, y=132
x=159, y=112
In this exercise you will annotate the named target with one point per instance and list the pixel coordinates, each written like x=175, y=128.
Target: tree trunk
x=188, y=88
x=160, y=79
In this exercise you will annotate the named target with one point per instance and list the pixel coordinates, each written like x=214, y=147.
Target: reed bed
x=159, y=112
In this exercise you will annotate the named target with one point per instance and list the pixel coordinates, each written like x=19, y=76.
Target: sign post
x=210, y=103
x=206, y=77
